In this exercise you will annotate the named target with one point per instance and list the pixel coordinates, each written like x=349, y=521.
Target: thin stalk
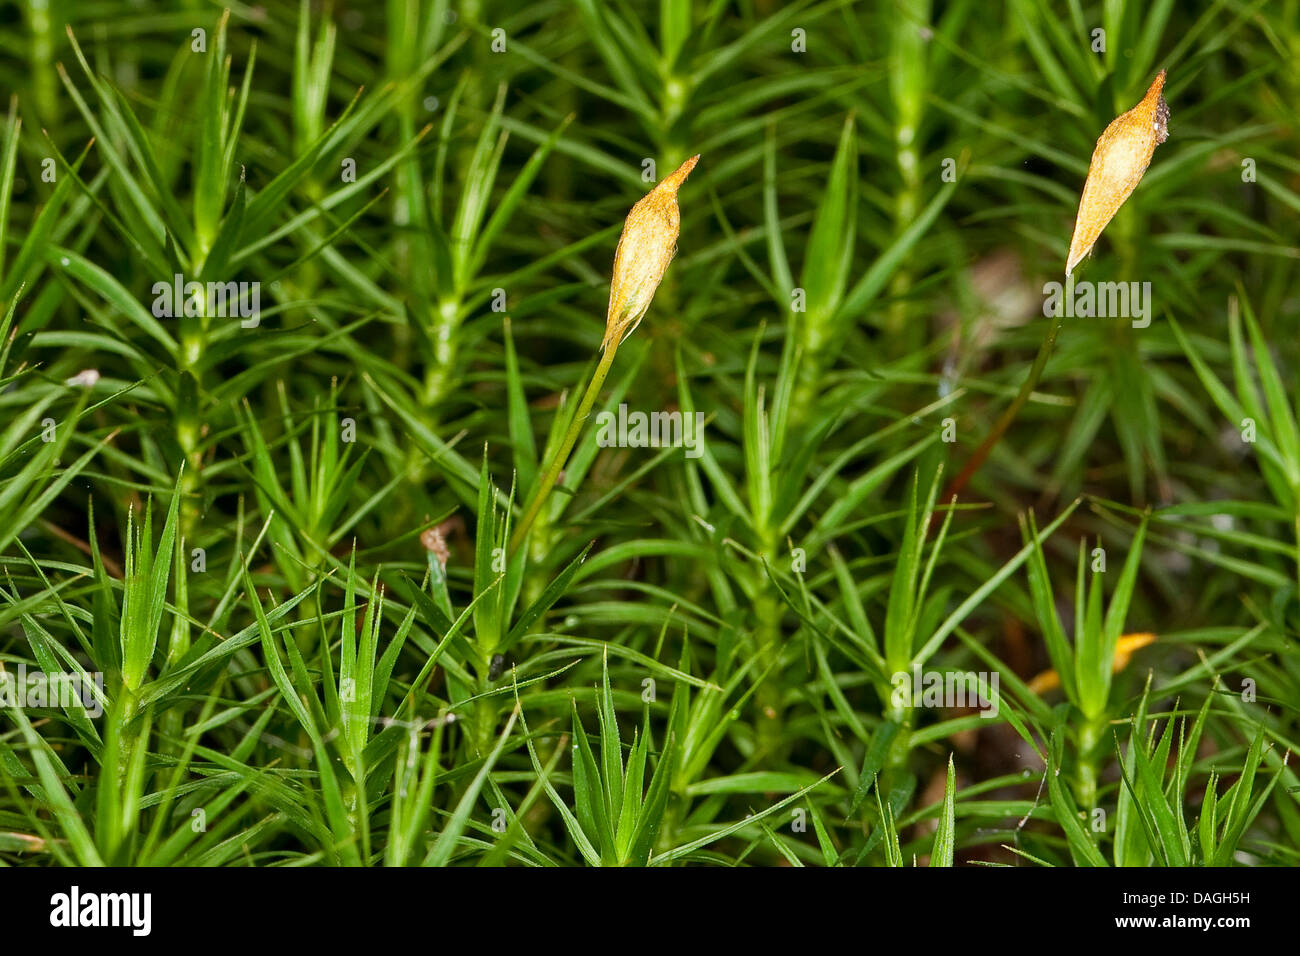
x=557, y=462
x=999, y=429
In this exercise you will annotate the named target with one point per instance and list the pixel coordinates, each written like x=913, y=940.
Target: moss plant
x=382, y=485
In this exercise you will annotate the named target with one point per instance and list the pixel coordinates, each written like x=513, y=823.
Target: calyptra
x=646, y=247
x=1122, y=155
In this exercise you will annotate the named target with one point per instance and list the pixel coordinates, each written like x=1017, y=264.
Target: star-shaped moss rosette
x=1122, y=156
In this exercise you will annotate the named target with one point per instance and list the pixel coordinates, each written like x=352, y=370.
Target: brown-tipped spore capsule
x=645, y=249
x=1122, y=155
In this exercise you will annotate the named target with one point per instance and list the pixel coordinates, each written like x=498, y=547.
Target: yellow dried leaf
x=1122, y=155
x=646, y=247
x=1125, y=648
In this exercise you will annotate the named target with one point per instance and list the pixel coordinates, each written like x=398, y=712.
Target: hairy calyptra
x=646, y=247
x=1122, y=155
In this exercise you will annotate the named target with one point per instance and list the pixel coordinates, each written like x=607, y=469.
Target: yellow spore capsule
x=646, y=247
x=1122, y=155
